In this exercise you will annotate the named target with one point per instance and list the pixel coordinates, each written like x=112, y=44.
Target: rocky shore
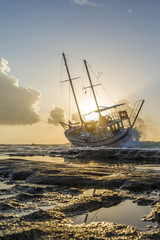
x=40, y=199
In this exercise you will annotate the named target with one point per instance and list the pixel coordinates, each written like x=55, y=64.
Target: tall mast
x=74, y=95
x=92, y=87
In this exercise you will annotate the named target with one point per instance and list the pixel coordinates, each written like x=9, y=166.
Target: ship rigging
x=113, y=126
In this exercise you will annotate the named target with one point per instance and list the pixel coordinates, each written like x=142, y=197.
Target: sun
x=88, y=109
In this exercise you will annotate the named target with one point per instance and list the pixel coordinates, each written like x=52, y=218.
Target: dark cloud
x=56, y=116
x=17, y=104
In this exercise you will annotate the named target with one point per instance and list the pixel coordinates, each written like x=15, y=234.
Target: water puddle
x=148, y=167
x=127, y=213
x=30, y=211
x=4, y=186
x=64, y=160
x=24, y=212
x=91, y=192
x=7, y=196
x=49, y=207
x=58, y=160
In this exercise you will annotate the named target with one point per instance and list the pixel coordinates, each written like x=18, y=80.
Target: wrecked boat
x=112, y=127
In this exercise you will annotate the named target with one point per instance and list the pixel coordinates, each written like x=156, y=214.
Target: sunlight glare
x=92, y=117
x=87, y=108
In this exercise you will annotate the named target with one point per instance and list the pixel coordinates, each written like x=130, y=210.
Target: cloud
x=4, y=65
x=17, y=104
x=88, y=3
x=56, y=116
x=75, y=117
x=144, y=129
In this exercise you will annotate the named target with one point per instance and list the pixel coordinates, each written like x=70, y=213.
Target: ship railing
x=65, y=125
x=135, y=111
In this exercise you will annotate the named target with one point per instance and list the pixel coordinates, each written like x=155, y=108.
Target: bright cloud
x=86, y=2
x=17, y=104
x=4, y=65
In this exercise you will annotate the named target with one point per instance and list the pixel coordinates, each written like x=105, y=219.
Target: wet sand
x=40, y=199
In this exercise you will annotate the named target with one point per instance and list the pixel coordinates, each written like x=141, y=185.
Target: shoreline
x=54, y=193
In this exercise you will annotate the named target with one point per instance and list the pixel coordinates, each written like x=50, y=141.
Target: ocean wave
x=134, y=150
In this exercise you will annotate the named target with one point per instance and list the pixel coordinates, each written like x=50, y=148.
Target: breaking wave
x=131, y=150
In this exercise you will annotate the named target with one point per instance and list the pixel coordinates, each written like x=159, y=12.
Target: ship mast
x=71, y=84
x=92, y=87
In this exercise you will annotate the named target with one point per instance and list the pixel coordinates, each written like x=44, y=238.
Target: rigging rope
x=69, y=106
x=74, y=57
x=88, y=93
x=104, y=89
x=109, y=80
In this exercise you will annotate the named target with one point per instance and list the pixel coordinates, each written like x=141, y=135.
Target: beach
x=60, y=192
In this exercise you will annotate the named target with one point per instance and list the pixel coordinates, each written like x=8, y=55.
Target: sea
x=59, y=149
x=135, y=150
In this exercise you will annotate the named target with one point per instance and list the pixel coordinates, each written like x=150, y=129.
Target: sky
x=120, y=38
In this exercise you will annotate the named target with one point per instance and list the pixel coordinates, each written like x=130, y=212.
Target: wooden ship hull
x=114, y=141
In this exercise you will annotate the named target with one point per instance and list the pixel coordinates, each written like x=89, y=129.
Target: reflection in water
x=58, y=160
x=4, y=186
x=127, y=212
x=114, y=163
x=90, y=162
x=91, y=192
x=32, y=210
x=149, y=166
x=6, y=196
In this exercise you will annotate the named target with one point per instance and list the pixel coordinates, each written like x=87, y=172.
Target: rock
x=9, y=205
x=64, y=184
x=143, y=201
x=157, y=215
x=149, y=226
x=35, y=190
x=59, y=180
x=38, y=216
x=51, y=171
x=20, y=175
x=27, y=196
x=34, y=234
x=135, y=186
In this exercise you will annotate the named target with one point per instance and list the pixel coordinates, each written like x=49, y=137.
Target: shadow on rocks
x=33, y=234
